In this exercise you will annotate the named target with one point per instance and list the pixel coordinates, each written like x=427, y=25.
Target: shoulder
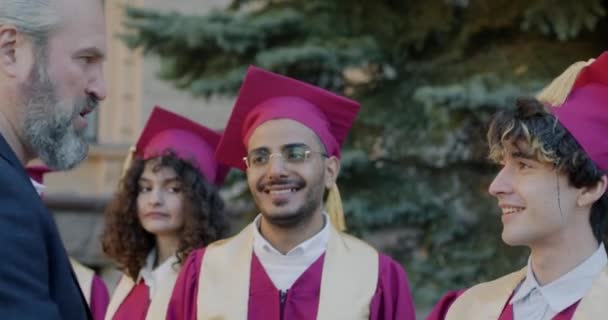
x=192, y=264
x=20, y=205
x=15, y=187
x=442, y=306
x=510, y=280
x=356, y=244
x=491, y=293
x=390, y=269
x=386, y=262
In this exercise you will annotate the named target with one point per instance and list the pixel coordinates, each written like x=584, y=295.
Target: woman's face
x=160, y=200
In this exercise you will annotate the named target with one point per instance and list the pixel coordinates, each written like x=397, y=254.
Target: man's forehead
x=81, y=16
x=276, y=133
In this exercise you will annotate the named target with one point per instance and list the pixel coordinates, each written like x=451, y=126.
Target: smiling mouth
x=511, y=210
x=281, y=191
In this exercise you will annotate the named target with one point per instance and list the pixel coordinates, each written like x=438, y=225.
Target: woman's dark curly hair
x=125, y=240
x=534, y=131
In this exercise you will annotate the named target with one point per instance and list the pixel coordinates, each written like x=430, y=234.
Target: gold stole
x=593, y=306
x=84, y=276
x=487, y=300
x=348, y=282
x=125, y=284
x=158, y=305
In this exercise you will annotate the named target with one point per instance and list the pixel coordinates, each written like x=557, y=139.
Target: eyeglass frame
x=285, y=148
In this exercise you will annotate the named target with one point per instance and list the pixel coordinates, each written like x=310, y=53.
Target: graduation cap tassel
x=128, y=161
x=334, y=208
x=557, y=91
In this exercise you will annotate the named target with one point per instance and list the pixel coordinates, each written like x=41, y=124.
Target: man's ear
x=12, y=43
x=332, y=169
x=590, y=195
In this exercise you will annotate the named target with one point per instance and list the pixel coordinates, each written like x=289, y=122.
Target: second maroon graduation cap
x=166, y=131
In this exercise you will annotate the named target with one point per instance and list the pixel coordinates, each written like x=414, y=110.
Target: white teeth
x=283, y=191
x=511, y=210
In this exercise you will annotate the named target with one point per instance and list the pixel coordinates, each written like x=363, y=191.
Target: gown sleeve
x=393, y=299
x=182, y=305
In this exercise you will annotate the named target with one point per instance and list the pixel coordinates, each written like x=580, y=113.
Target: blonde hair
x=527, y=131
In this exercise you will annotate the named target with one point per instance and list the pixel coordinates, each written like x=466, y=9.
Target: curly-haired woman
x=167, y=205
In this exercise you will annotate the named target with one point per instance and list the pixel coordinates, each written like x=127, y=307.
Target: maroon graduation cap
x=190, y=141
x=267, y=96
x=584, y=113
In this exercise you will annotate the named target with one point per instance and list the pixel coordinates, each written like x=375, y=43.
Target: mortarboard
x=166, y=131
x=266, y=96
x=582, y=106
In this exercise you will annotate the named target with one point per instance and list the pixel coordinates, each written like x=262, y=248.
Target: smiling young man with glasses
x=293, y=261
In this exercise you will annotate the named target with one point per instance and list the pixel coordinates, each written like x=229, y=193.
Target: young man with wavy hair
x=551, y=189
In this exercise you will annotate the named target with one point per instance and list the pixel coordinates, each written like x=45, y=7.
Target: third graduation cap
x=585, y=111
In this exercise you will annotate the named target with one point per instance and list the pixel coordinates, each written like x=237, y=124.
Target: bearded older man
x=51, y=76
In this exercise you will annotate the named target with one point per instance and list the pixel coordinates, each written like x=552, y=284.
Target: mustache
x=90, y=102
x=295, y=182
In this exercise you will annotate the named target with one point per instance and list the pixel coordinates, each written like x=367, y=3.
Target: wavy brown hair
x=531, y=129
x=125, y=240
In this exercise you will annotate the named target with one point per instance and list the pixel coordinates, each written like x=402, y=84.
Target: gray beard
x=48, y=128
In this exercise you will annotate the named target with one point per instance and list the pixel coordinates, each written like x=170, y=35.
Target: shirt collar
x=313, y=244
x=148, y=273
x=38, y=186
x=569, y=288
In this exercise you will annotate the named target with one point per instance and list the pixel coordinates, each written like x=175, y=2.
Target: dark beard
x=302, y=215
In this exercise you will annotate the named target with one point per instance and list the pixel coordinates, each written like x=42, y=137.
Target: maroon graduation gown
x=136, y=304
x=392, y=299
x=99, y=298
x=440, y=310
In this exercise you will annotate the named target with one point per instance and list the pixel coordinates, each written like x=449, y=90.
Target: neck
x=284, y=239
x=166, y=246
x=555, y=257
x=9, y=133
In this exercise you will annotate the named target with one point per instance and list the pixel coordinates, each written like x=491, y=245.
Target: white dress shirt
x=535, y=302
x=38, y=186
x=285, y=269
x=151, y=276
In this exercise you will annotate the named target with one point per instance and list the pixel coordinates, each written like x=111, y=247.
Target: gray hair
x=34, y=18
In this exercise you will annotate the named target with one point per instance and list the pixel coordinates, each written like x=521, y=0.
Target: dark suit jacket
x=36, y=279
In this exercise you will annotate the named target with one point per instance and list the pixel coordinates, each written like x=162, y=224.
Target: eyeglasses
x=291, y=153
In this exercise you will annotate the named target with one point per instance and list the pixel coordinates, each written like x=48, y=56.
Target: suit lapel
x=7, y=154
